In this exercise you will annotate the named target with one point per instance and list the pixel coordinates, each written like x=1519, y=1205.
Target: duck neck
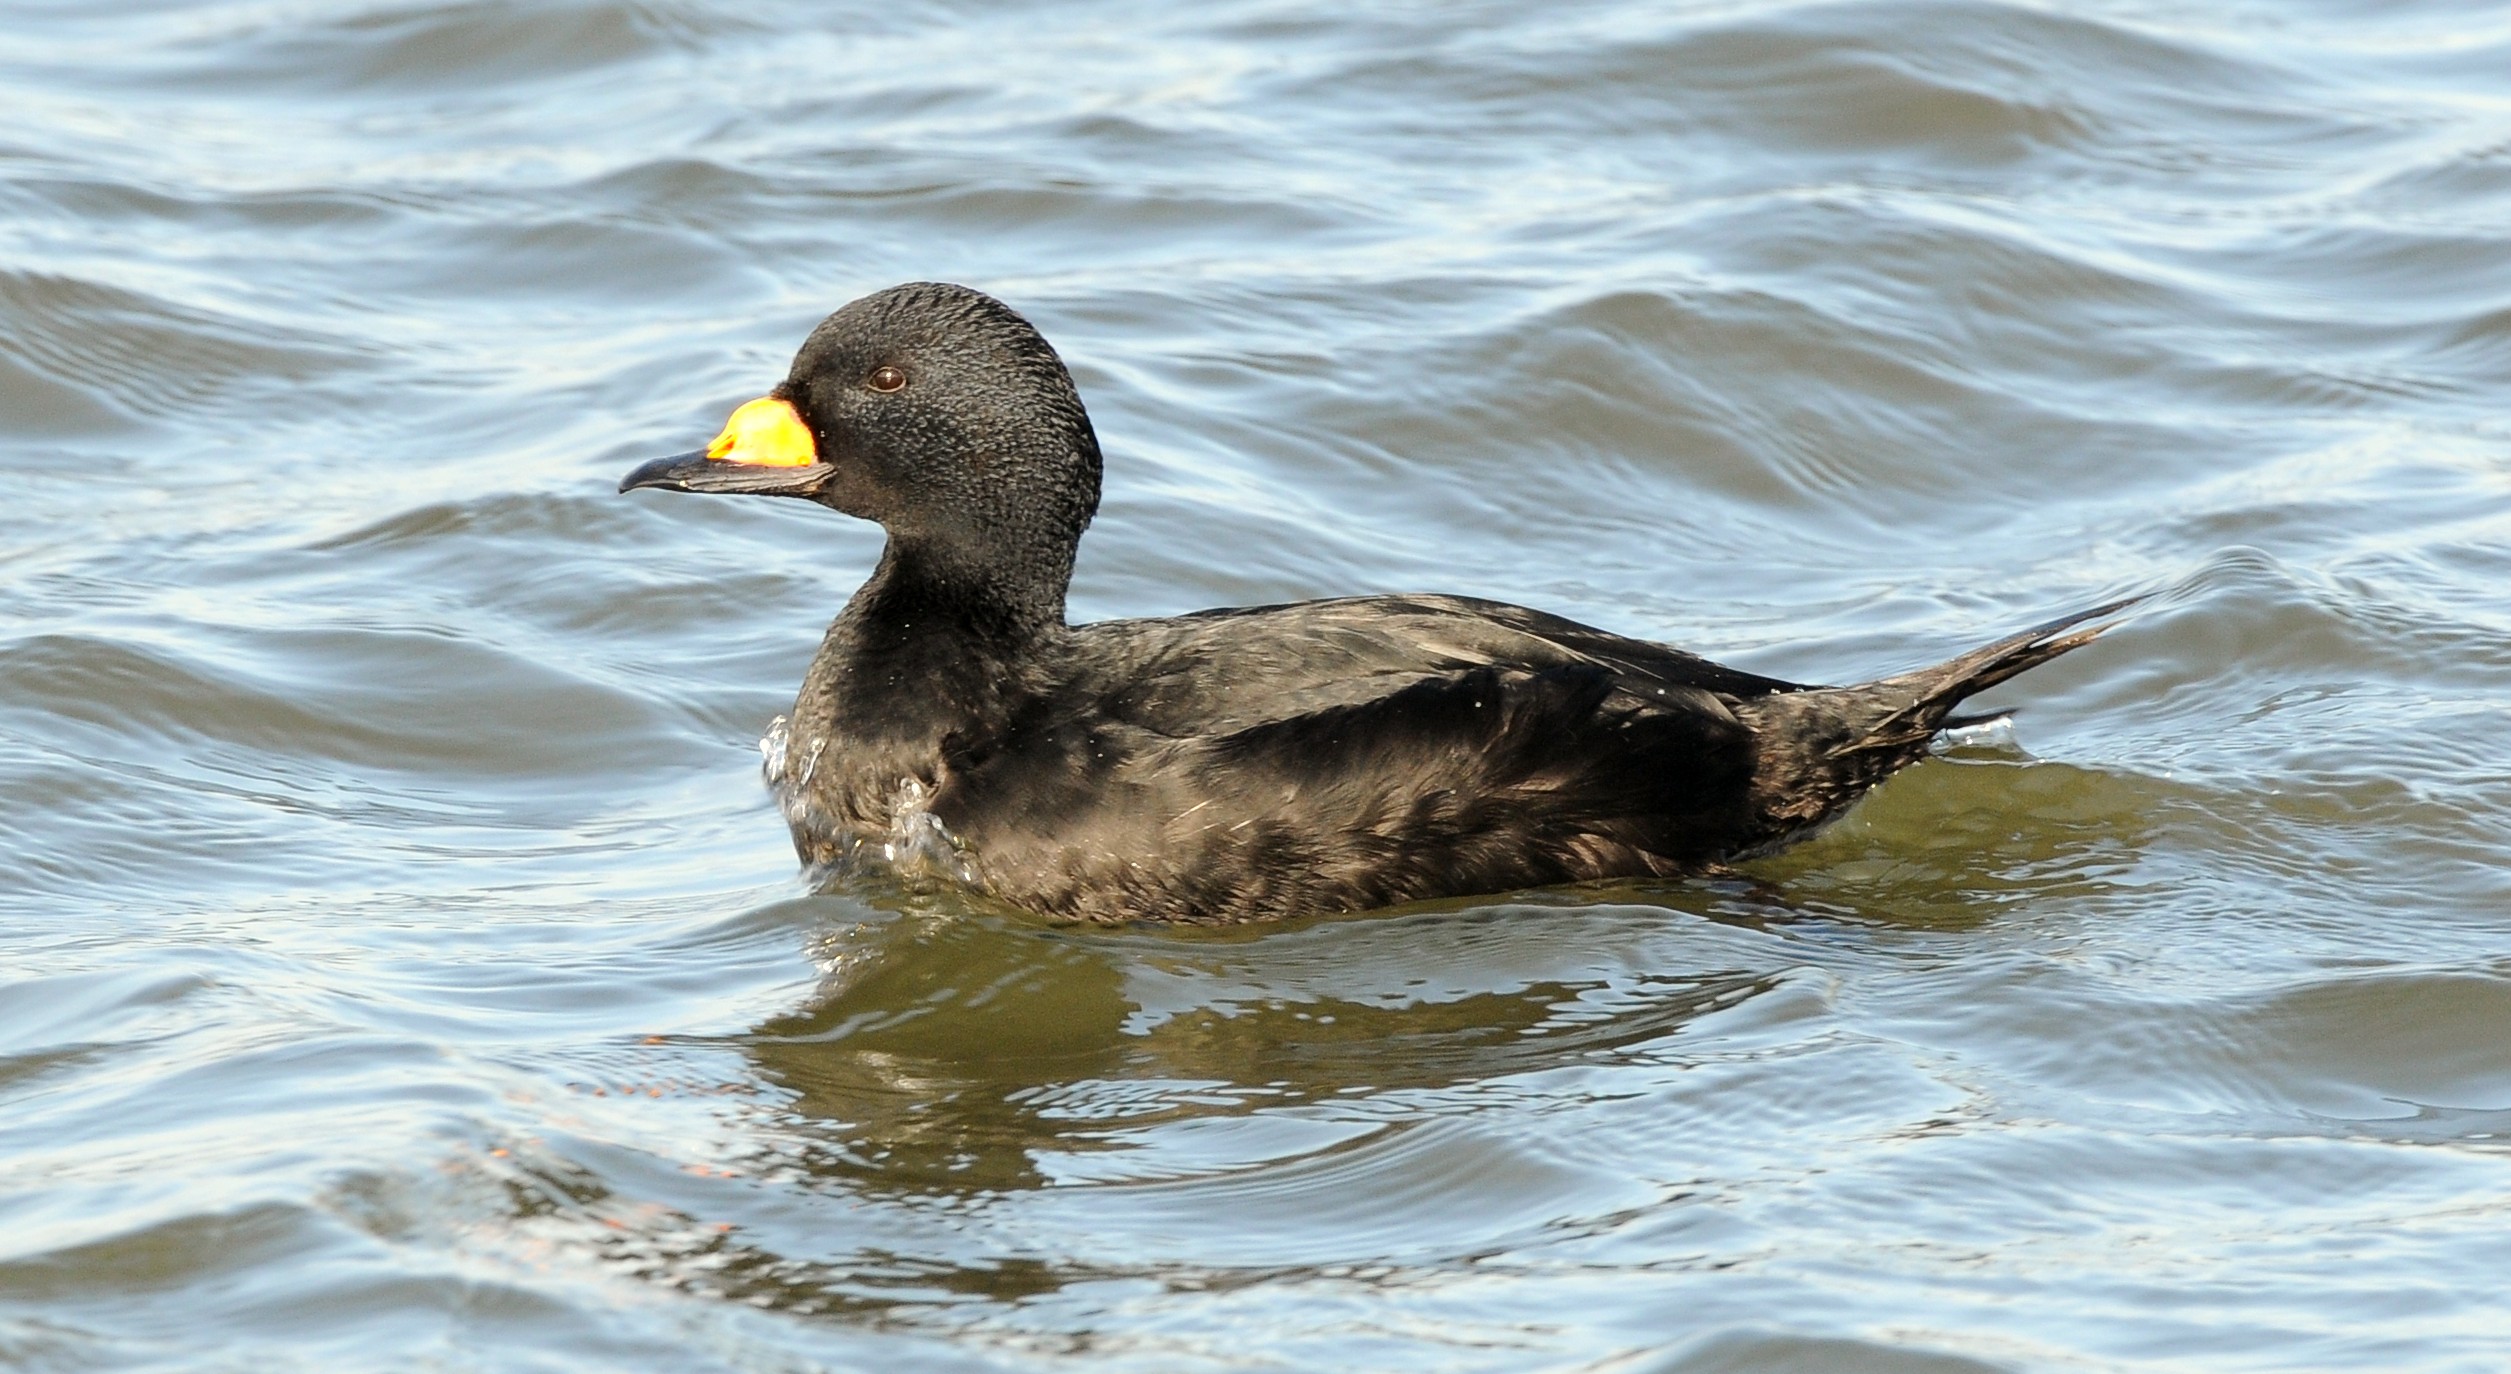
x=932, y=640
x=994, y=601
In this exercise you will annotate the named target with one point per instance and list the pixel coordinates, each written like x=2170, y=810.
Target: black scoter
x=1239, y=764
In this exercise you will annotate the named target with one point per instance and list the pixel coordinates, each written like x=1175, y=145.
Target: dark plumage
x=1236, y=764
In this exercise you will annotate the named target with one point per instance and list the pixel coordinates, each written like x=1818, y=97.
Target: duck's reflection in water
x=958, y=1055
x=955, y=1064
x=965, y=1082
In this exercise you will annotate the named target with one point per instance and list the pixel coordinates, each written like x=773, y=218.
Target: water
x=401, y=966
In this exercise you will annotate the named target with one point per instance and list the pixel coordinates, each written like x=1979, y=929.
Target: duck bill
x=698, y=472
x=765, y=450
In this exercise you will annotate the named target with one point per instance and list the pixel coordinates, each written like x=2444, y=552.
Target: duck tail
x=1821, y=748
x=1934, y=692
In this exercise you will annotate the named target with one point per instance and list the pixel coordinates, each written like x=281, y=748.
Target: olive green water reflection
x=971, y=1053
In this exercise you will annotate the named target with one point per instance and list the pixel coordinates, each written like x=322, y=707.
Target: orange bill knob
x=765, y=450
x=765, y=433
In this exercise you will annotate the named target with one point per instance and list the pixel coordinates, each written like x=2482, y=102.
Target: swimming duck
x=1237, y=764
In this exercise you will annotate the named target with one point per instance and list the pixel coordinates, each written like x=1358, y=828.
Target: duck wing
x=1349, y=754
x=1235, y=668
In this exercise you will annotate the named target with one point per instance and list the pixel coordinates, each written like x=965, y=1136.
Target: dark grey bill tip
x=697, y=472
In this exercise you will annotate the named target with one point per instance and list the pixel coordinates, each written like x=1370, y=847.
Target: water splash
x=772, y=753
x=916, y=843
x=919, y=845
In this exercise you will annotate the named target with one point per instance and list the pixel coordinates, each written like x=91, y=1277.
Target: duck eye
x=886, y=378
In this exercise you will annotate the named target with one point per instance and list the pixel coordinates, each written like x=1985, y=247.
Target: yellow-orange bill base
x=765, y=433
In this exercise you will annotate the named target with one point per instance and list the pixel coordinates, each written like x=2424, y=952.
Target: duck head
x=935, y=410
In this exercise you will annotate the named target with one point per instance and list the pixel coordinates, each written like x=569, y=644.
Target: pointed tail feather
x=1944, y=686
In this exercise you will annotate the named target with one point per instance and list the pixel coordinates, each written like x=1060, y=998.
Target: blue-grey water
x=401, y=966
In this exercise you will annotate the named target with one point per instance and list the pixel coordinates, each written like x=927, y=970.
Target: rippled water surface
x=401, y=966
